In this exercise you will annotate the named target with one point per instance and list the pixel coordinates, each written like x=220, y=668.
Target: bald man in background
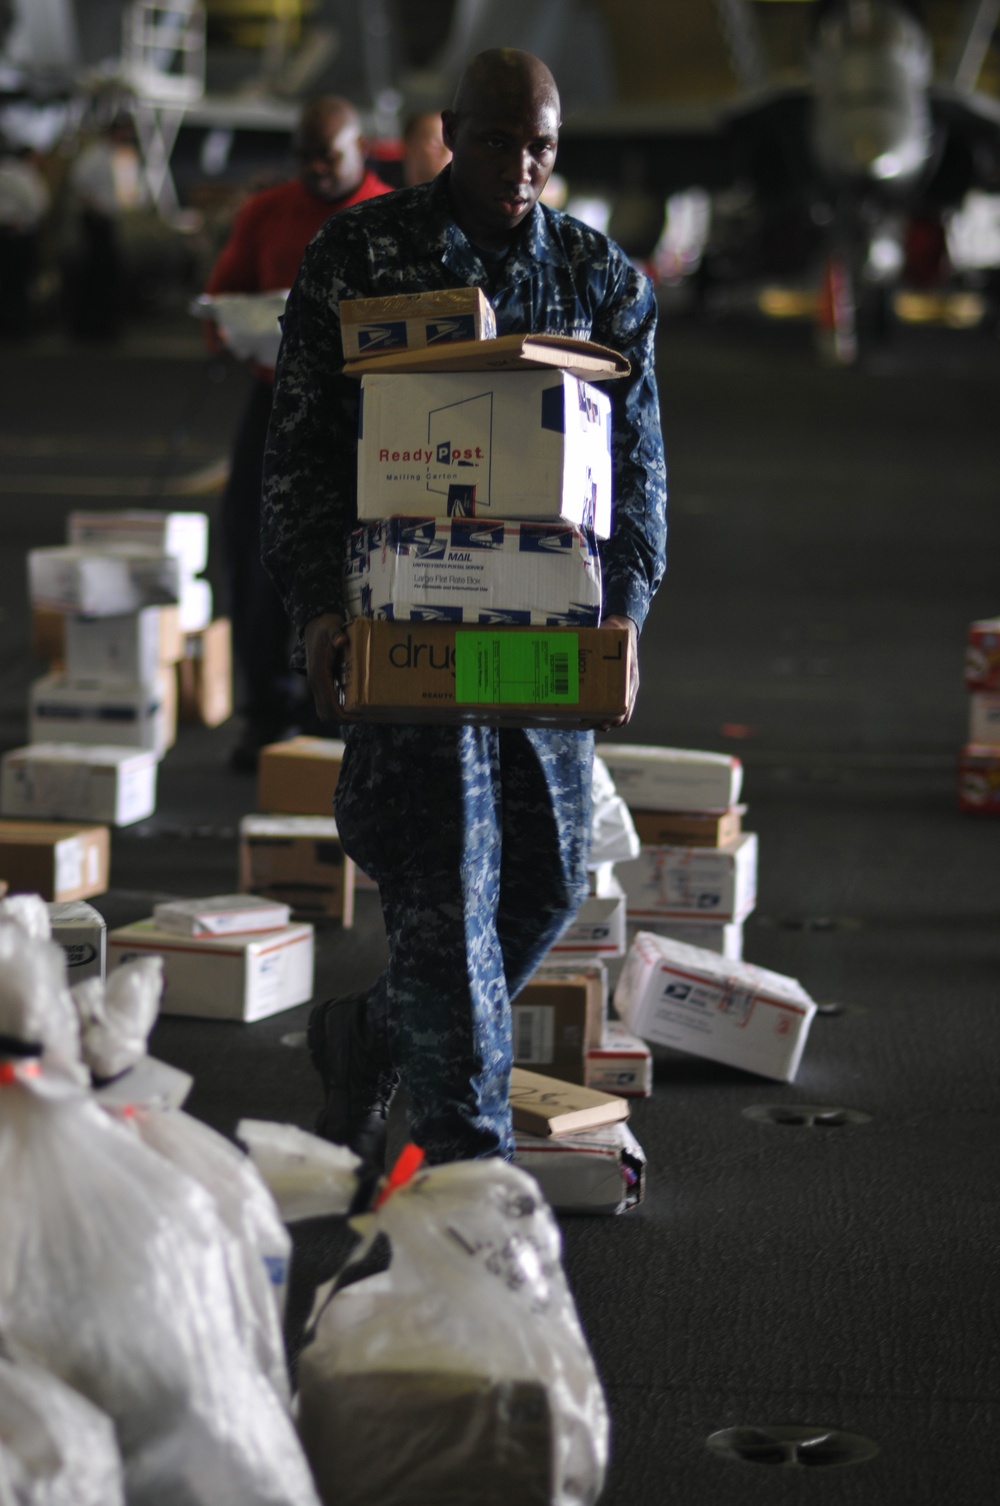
x=478, y=837
x=262, y=255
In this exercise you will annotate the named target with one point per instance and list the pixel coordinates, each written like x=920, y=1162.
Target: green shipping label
x=528, y=669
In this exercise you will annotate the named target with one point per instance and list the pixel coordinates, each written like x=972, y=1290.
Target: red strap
x=408, y=1163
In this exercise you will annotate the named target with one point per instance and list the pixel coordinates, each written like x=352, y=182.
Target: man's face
x=503, y=151
x=331, y=157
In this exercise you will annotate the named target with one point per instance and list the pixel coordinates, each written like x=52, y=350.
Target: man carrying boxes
x=476, y=834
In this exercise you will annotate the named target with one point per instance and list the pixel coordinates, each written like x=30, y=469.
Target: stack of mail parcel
x=979, y=759
x=473, y=580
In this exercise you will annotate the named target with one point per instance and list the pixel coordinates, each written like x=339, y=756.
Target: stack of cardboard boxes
x=979, y=760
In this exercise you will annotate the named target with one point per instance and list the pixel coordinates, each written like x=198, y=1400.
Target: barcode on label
x=533, y=1034
x=560, y=674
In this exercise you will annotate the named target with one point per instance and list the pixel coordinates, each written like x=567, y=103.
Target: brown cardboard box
x=555, y=1019
x=298, y=860
x=298, y=777
x=59, y=861
x=205, y=675
x=447, y=672
x=545, y=1106
x=414, y=321
x=520, y=352
x=689, y=828
x=48, y=636
x=171, y=637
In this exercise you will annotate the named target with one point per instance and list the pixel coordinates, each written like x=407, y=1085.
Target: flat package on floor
x=244, y=977
x=414, y=321
x=102, y=583
x=182, y=534
x=81, y=932
x=525, y=444
x=77, y=782
x=298, y=777
x=594, y=1171
x=672, y=779
x=59, y=862
x=551, y=1108
x=300, y=861
x=698, y=1002
x=126, y=713
x=497, y=676
x=220, y=915
x=681, y=883
x=473, y=570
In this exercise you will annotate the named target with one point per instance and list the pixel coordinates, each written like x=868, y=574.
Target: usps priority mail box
x=701, y=1003
x=683, y=883
x=474, y=570
x=477, y=444
x=414, y=321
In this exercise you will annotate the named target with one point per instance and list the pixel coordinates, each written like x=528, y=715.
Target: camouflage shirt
x=559, y=277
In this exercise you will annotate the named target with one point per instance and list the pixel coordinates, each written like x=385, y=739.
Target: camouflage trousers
x=478, y=839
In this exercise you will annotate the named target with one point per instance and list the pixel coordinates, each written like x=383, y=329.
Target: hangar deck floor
x=832, y=533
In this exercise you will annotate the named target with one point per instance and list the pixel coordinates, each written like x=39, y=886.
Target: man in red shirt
x=266, y=244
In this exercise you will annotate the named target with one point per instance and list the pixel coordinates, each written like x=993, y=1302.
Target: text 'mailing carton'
x=524, y=444
x=698, y=1002
x=76, y=782
x=486, y=570
x=673, y=779
x=414, y=321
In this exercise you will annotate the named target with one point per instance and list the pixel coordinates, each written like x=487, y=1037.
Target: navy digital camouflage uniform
x=477, y=837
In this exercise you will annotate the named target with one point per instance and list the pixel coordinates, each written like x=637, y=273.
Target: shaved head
x=503, y=132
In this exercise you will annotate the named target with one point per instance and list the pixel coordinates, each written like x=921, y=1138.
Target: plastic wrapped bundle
x=307, y=1177
x=613, y=837
x=117, y=1016
x=469, y=1344
x=113, y=1274
x=56, y=1448
x=36, y=1007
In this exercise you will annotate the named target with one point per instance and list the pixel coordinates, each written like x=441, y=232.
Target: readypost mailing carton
x=681, y=883
x=75, y=782
x=300, y=861
x=672, y=779
x=93, y=711
x=82, y=933
x=223, y=977
x=982, y=655
x=979, y=779
x=205, y=675
x=182, y=534
x=732, y=1012
x=486, y=570
x=102, y=583
x=414, y=321
x=523, y=444
x=494, y=676
x=58, y=862
x=593, y=1171
x=298, y=777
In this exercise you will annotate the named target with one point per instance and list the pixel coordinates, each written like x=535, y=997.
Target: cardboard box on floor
x=724, y=937
x=97, y=712
x=621, y=1064
x=414, y=321
x=223, y=977
x=81, y=932
x=298, y=860
x=672, y=779
x=979, y=779
x=982, y=655
x=597, y=929
x=503, y=676
x=182, y=534
x=689, y=828
x=205, y=675
x=551, y=1108
x=298, y=777
x=74, y=782
x=555, y=1019
x=594, y=1171
x=58, y=862
x=685, y=883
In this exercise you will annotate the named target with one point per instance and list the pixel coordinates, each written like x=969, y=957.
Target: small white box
x=594, y=1171
x=75, y=782
x=102, y=583
x=182, y=534
x=220, y=915
x=90, y=711
x=474, y=570
x=725, y=938
x=223, y=977
x=597, y=930
x=732, y=1012
x=984, y=716
x=621, y=1064
x=672, y=779
x=125, y=647
x=684, y=883
x=196, y=605
x=514, y=444
x=82, y=934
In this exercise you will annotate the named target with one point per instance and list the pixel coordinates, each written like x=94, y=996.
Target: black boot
x=358, y=1083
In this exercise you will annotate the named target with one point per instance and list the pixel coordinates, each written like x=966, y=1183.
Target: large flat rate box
x=525, y=444
x=299, y=861
x=414, y=321
x=672, y=779
x=504, y=676
x=76, y=782
x=698, y=1002
x=474, y=570
x=298, y=777
x=685, y=883
x=223, y=977
x=58, y=862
